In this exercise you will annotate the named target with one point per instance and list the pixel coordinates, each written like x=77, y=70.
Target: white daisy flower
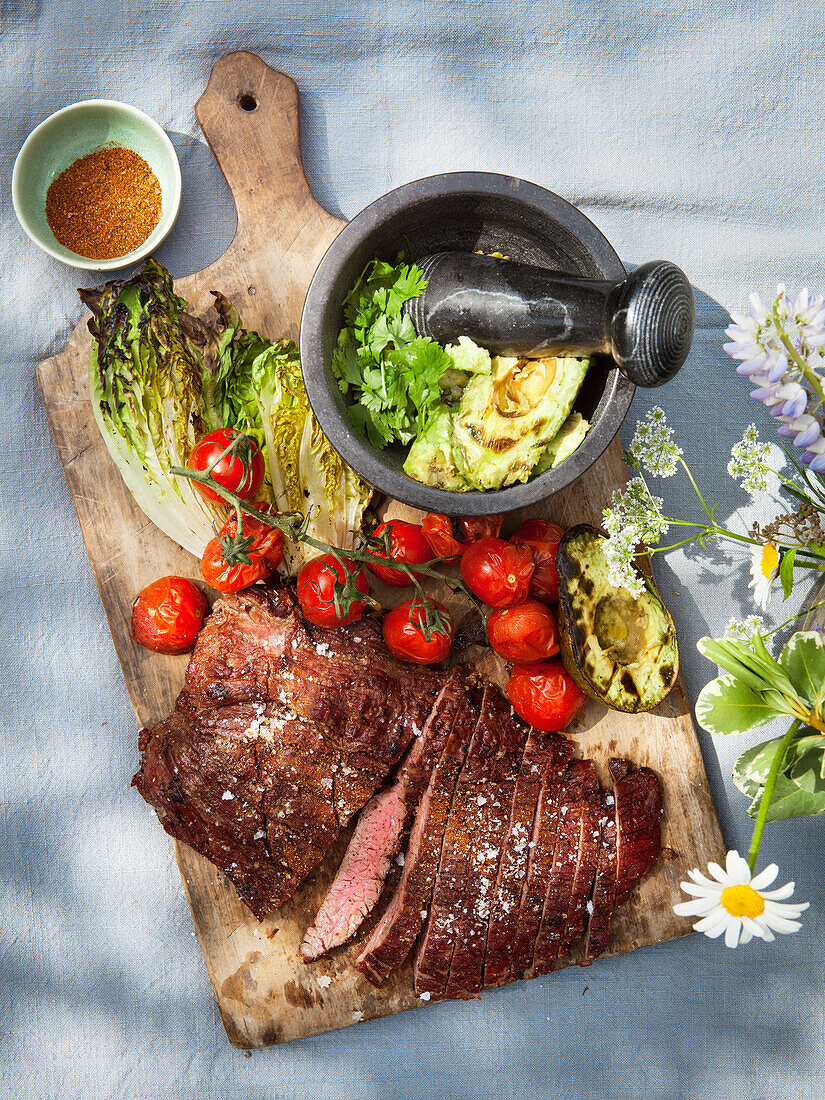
x=738, y=905
x=764, y=567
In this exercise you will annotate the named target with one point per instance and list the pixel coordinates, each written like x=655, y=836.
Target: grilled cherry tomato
x=241, y=472
x=406, y=636
x=316, y=591
x=265, y=554
x=497, y=571
x=542, y=538
x=480, y=527
x=545, y=694
x=407, y=545
x=438, y=531
x=526, y=632
x=168, y=614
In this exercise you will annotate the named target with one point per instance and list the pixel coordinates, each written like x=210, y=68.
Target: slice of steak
x=588, y=859
x=540, y=751
x=542, y=848
x=638, y=824
x=601, y=904
x=578, y=784
x=496, y=770
x=396, y=932
x=377, y=836
x=202, y=779
x=435, y=950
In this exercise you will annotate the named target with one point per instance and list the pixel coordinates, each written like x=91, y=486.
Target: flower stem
x=696, y=489
x=767, y=794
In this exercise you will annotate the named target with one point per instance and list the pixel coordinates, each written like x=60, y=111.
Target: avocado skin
x=581, y=590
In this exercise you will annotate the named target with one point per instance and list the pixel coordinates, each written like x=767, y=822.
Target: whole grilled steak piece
x=298, y=726
x=396, y=932
x=496, y=766
x=541, y=750
x=377, y=837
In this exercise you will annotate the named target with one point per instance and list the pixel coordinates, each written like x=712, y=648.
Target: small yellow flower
x=764, y=567
x=740, y=906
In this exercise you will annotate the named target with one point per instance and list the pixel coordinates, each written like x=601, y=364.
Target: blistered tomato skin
x=542, y=538
x=407, y=545
x=526, y=632
x=497, y=572
x=316, y=592
x=474, y=528
x=438, y=531
x=404, y=633
x=545, y=695
x=265, y=554
x=168, y=614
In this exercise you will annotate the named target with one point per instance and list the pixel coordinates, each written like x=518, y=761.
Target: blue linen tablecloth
x=690, y=131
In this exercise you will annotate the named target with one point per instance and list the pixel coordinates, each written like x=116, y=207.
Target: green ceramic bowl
x=72, y=133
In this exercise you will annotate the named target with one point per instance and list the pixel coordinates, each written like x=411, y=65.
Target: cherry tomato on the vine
x=265, y=554
x=480, y=527
x=242, y=472
x=316, y=591
x=545, y=694
x=526, y=632
x=168, y=614
x=497, y=571
x=406, y=635
x=542, y=538
x=407, y=545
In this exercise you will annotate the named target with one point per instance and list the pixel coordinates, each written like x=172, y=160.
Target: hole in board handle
x=247, y=101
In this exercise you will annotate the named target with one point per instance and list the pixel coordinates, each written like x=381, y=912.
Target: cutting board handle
x=249, y=116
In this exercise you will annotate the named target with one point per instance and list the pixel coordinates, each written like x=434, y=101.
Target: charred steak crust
x=588, y=857
x=638, y=824
x=396, y=932
x=602, y=902
x=280, y=725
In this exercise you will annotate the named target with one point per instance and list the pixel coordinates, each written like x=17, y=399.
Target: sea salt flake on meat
x=227, y=796
x=424, y=996
x=259, y=835
x=325, y=981
x=399, y=859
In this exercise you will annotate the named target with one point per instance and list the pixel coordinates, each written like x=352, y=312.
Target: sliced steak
x=396, y=932
x=638, y=824
x=435, y=951
x=554, y=921
x=542, y=847
x=377, y=837
x=320, y=717
x=540, y=751
x=601, y=904
x=495, y=770
x=588, y=858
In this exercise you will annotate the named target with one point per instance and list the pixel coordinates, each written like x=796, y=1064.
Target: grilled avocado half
x=619, y=648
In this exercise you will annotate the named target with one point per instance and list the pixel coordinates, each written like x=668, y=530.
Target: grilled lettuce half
x=160, y=378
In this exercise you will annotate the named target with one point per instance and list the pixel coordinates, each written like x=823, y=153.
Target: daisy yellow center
x=742, y=901
x=770, y=559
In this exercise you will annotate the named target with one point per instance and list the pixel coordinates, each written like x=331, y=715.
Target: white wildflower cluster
x=633, y=519
x=743, y=631
x=748, y=462
x=654, y=446
x=781, y=350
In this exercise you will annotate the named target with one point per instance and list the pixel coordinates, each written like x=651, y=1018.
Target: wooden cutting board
x=265, y=994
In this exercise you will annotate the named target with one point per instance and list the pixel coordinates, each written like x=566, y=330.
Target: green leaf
x=726, y=705
x=786, y=570
x=803, y=659
x=800, y=786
